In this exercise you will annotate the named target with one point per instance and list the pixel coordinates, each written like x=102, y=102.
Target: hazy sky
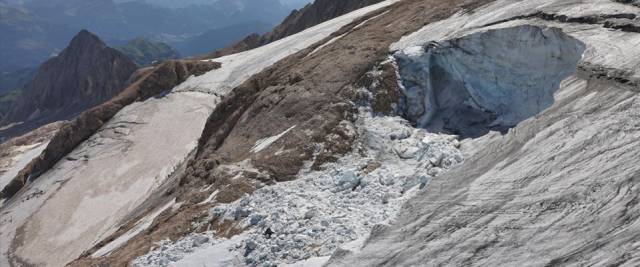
x=182, y=3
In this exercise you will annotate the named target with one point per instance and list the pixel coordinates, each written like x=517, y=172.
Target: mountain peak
x=83, y=75
x=86, y=38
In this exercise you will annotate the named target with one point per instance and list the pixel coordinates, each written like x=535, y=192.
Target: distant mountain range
x=34, y=30
x=294, y=4
x=145, y=52
x=221, y=37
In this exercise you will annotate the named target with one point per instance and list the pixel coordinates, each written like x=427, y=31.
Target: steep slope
x=85, y=74
x=34, y=31
x=18, y=152
x=560, y=188
x=296, y=115
x=311, y=15
x=405, y=133
x=298, y=20
x=143, y=161
x=145, y=52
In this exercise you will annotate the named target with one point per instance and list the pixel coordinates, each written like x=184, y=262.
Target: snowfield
x=560, y=188
x=549, y=177
x=90, y=194
x=395, y=169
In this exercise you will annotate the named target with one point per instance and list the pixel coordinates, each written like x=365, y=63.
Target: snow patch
x=266, y=142
x=333, y=40
x=370, y=19
x=210, y=198
x=238, y=67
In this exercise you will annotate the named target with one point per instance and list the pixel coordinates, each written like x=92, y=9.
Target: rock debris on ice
x=320, y=211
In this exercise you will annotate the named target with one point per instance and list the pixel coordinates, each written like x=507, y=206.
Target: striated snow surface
x=558, y=189
x=320, y=211
x=24, y=155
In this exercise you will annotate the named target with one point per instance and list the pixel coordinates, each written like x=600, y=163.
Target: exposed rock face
x=299, y=136
x=302, y=107
x=309, y=16
x=85, y=74
x=147, y=160
x=313, y=14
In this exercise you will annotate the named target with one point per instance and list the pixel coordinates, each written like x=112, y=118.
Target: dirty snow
x=578, y=154
x=320, y=211
x=266, y=142
x=122, y=165
x=25, y=155
x=200, y=248
x=140, y=226
x=621, y=54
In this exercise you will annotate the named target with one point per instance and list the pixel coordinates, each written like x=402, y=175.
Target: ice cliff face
x=502, y=133
x=486, y=80
x=559, y=188
x=106, y=180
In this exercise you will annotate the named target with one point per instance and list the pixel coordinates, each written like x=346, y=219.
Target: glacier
x=558, y=188
x=85, y=201
x=485, y=81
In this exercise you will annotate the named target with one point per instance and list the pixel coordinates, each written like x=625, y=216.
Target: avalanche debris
x=315, y=214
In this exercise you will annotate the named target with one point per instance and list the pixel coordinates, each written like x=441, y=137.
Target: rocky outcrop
x=84, y=75
x=313, y=14
x=301, y=110
x=302, y=151
x=146, y=160
x=299, y=20
x=71, y=134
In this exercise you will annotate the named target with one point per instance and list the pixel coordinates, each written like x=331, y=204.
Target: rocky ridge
x=228, y=143
x=125, y=141
x=299, y=20
x=555, y=184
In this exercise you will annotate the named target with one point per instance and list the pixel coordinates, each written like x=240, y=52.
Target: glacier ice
x=484, y=81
